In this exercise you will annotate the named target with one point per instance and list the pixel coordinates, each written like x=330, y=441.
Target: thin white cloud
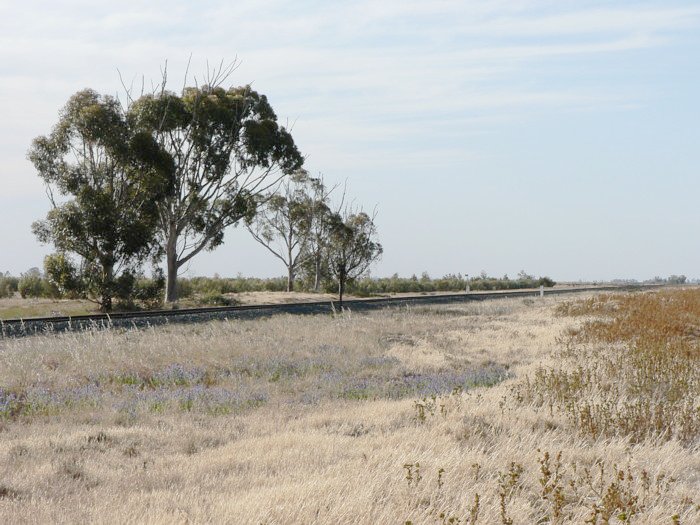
x=353, y=71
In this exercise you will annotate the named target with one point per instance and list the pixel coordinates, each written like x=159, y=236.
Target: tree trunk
x=290, y=265
x=171, y=260
x=317, y=276
x=290, y=279
x=107, y=287
x=341, y=288
x=106, y=303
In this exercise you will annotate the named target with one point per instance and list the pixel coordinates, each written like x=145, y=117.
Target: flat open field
x=16, y=307
x=515, y=411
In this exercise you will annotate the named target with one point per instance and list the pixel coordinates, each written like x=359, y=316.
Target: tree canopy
x=104, y=180
x=352, y=247
x=287, y=220
x=227, y=149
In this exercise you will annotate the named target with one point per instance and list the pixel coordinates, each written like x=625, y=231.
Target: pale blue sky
x=558, y=137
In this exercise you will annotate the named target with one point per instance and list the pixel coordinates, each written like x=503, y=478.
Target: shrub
x=8, y=286
x=633, y=370
x=448, y=283
x=210, y=286
x=184, y=288
x=215, y=299
x=31, y=285
x=226, y=285
x=150, y=291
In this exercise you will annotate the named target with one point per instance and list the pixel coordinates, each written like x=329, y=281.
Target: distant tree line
x=220, y=290
x=161, y=178
x=672, y=279
x=448, y=283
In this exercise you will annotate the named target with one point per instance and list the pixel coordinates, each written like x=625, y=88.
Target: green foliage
x=226, y=149
x=352, y=247
x=363, y=287
x=492, y=283
x=150, y=291
x=111, y=177
x=448, y=283
x=63, y=275
x=221, y=285
x=286, y=222
x=216, y=299
x=8, y=285
x=30, y=285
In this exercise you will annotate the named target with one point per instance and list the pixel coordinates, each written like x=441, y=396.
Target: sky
x=556, y=137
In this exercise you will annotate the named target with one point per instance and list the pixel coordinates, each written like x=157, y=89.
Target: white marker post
x=541, y=290
x=467, y=287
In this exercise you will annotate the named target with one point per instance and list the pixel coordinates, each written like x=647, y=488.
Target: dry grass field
x=16, y=307
x=517, y=411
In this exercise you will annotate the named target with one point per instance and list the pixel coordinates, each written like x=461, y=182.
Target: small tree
x=323, y=218
x=8, y=285
x=227, y=150
x=31, y=284
x=287, y=220
x=109, y=179
x=352, y=247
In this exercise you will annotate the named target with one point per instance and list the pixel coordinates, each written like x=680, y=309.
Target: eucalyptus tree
x=227, y=150
x=103, y=180
x=287, y=221
x=315, y=263
x=352, y=247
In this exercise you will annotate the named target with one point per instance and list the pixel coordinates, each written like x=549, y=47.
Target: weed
x=551, y=485
x=509, y=483
x=474, y=510
x=632, y=369
x=413, y=475
x=131, y=451
x=476, y=468
x=440, y=480
x=8, y=493
x=100, y=437
x=72, y=469
x=424, y=407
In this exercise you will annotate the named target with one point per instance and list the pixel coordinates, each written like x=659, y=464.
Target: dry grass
x=387, y=417
x=16, y=307
x=632, y=369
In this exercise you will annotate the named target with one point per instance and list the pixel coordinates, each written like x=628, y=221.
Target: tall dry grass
x=632, y=369
x=409, y=415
